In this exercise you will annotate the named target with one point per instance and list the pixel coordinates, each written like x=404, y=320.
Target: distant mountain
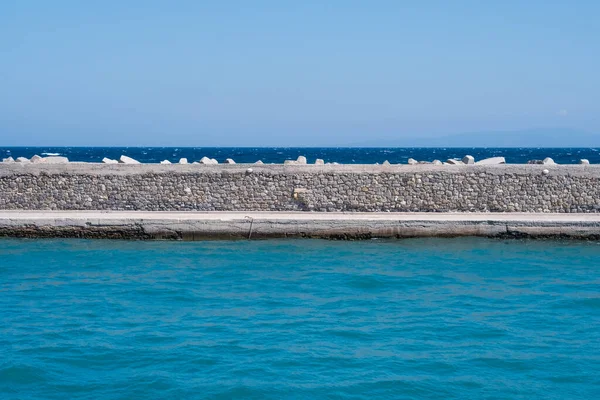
x=525, y=138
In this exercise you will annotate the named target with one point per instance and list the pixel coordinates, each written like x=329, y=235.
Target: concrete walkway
x=210, y=225
x=19, y=215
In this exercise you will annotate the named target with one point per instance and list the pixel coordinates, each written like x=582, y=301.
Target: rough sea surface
x=342, y=155
x=406, y=319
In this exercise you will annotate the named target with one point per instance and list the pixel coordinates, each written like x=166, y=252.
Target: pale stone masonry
x=326, y=188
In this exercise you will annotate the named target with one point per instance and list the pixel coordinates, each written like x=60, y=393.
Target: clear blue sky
x=292, y=72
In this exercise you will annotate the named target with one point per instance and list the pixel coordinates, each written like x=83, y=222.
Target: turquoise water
x=423, y=319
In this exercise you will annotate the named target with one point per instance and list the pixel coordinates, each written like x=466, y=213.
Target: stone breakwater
x=326, y=188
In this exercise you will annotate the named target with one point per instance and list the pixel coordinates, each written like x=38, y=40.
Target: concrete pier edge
x=259, y=225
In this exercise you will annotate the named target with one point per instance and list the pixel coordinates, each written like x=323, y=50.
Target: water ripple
x=423, y=318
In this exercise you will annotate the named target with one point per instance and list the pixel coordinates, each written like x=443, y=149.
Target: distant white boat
x=51, y=154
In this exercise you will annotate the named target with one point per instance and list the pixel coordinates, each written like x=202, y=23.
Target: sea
x=342, y=155
x=464, y=318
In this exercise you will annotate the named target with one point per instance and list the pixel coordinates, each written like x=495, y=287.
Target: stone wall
x=395, y=188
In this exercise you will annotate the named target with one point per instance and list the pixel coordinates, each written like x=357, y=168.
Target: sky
x=293, y=73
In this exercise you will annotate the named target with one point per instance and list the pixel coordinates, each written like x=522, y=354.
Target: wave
x=279, y=155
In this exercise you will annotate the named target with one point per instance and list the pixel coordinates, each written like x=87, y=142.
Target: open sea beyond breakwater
x=419, y=318
x=342, y=155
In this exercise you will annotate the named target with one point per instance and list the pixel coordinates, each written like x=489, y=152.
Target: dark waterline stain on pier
x=419, y=318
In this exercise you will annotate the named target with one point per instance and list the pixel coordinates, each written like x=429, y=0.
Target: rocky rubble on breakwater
x=37, y=160
x=301, y=160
